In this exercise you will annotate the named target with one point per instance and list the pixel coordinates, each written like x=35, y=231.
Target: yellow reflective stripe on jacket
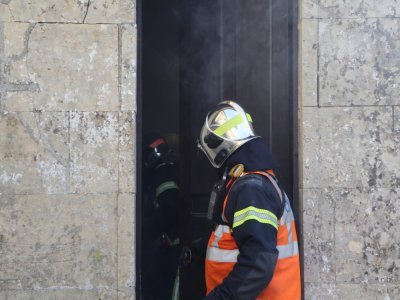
x=254, y=213
x=168, y=185
x=228, y=125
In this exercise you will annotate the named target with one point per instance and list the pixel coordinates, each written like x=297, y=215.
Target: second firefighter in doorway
x=161, y=248
x=252, y=252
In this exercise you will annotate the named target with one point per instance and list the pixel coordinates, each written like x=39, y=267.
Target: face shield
x=227, y=127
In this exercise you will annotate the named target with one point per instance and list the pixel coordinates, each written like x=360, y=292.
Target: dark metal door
x=242, y=50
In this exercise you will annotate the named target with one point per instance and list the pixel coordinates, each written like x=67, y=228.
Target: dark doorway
x=198, y=53
x=158, y=203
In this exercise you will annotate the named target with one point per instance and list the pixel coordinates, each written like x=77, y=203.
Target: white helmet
x=227, y=127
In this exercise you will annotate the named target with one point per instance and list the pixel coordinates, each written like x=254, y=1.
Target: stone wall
x=350, y=91
x=67, y=143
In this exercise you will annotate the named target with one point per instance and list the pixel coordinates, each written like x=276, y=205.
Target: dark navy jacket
x=256, y=241
x=161, y=218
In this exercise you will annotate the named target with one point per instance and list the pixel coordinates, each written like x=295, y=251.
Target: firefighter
x=252, y=252
x=161, y=218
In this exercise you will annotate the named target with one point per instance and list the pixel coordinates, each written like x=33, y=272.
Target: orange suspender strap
x=272, y=179
x=228, y=186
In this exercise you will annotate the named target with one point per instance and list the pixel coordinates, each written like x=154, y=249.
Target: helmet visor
x=226, y=128
x=230, y=124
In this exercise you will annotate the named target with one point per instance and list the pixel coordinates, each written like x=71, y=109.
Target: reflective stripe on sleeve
x=168, y=185
x=222, y=255
x=288, y=250
x=253, y=213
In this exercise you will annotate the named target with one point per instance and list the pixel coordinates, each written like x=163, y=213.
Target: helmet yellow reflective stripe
x=249, y=118
x=235, y=121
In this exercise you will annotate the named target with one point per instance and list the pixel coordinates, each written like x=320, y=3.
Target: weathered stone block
x=309, y=8
x=5, y=14
x=362, y=291
x=15, y=51
x=350, y=147
x=127, y=152
x=311, y=149
x=72, y=67
x=63, y=294
x=318, y=228
x=48, y=11
x=309, y=61
x=367, y=291
x=126, y=246
x=320, y=291
x=128, y=66
x=111, y=11
x=396, y=120
x=34, y=153
x=367, y=240
x=394, y=291
x=361, y=67
x=56, y=242
x=94, y=152
x=358, y=8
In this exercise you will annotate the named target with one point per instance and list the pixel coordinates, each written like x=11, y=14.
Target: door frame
x=297, y=200
x=139, y=142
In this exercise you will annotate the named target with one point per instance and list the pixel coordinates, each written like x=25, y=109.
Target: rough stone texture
x=338, y=237
x=362, y=66
x=67, y=150
x=71, y=11
x=15, y=51
x=350, y=9
x=65, y=241
x=127, y=153
x=320, y=291
x=34, y=153
x=309, y=9
x=364, y=291
x=128, y=38
x=367, y=236
x=5, y=14
x=126, y=246
x=94, y=152
x=69, y=67
x=394, y=291
x=64, y=294
x=318, y=220
x=351, y=162
x=358, y=8
x=396, y=120
x=350, y=147
x=309, y=62
x=111, y=11
x=48, y=11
